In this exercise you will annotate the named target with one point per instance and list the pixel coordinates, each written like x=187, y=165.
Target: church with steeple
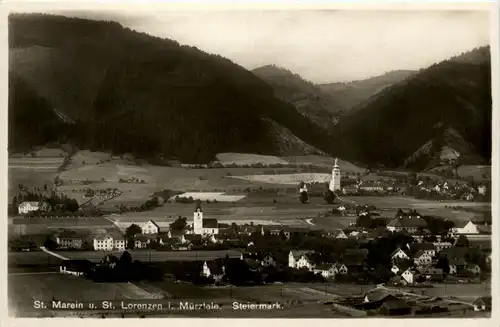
x=335, y=181
x=203, y=226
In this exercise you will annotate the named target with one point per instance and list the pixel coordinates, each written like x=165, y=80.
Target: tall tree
x=303, y=197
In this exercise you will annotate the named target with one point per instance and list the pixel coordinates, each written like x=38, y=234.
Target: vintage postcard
x=328, y=161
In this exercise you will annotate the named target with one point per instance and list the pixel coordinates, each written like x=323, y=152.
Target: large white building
x=108, y=243
x=150, y=227
x=28, y=206
x=335, y=181
x=203, y=226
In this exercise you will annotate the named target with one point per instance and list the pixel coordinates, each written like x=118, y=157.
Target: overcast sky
x=321, y=46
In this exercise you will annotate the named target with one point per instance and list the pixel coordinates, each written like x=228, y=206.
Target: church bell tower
x=198, y=220
x=335, y=181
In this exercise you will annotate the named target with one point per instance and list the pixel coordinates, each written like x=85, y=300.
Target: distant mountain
x=311, y=101
x=349, y=95
x=105, y=87
x=445, y=107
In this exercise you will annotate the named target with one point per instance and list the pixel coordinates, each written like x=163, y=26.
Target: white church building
x=335, y=181
x=203, y=226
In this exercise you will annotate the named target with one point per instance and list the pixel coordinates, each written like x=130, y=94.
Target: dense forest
x=124, y=91
x=454, y=94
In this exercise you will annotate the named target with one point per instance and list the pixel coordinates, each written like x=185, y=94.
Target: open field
x=31, y=259
x=211, y=196
x=23, y=289
x=471, y=210
x=153, y=256
x=288, y=179
x=32, y=172
x=31, y=226
x=248, y=159
x=478, y=172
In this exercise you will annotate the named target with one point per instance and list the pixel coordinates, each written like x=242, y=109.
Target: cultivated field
x=287, y=179
x=249, y=159
x=33, y=226
x=211, y=196
x=151, y=256
x=32, y=172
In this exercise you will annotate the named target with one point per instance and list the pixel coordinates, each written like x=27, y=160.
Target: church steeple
x=335, y=181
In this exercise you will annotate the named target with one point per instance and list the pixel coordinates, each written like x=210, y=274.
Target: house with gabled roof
x=440, y=246
x=150, y=227
x=340, y=268
x=28, y=206
x=411, y=222
x=399, y=253
x=69, y=239
x=214, y=269
x=482, y=304
x=300, y=259
x=426, y=247
x=465, y=227
x=422, y=258
x=326, y=270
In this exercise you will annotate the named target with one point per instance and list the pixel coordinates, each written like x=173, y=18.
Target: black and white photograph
x=251, y=162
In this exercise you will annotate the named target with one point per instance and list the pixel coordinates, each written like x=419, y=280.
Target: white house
x=150, y=227
x=465, y=228
x=408, y=276
x=28, y=206
x=75, y=267
x=422, y=258
x=481, y=189
x=299, y=259
x=212, y=269
x=326, y=270
x=108, y=243
x=340, y=268
x=399, y=254
x=69, y=240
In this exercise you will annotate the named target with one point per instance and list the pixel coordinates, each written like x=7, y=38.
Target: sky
x=322, y=46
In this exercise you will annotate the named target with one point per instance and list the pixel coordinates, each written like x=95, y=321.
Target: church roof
x=210, y=223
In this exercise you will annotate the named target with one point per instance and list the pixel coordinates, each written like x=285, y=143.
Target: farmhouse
x=465, y=227
x=428, y=248
x=69, y=240
x=422, y=258
x=350, y=189
x=409, y=275
x=410, y=222
x=28, y=206
x=213, y=269
x=300, y=259
x=399, y=254
x=326, y=270
x=203, y=226
x=75, y=267
x=150, y=227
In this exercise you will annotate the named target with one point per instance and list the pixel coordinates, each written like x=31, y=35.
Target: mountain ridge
x=129, y=92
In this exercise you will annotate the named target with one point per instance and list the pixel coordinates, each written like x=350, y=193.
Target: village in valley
x=240, y=164
x=350, y=234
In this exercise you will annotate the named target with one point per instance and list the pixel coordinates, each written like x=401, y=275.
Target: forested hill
x=310, y=100
x=453, y=95
x=106, y=87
